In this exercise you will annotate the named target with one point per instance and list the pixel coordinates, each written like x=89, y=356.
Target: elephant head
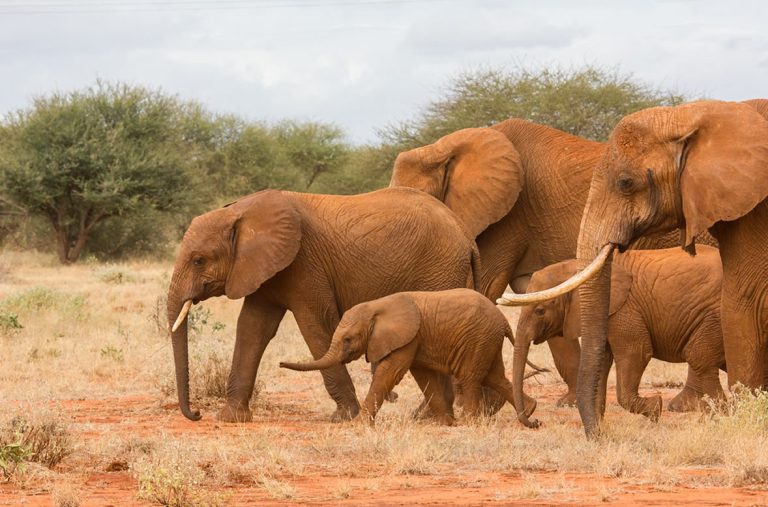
x=375, y=328
x=476, y=172
x=686, y=167
x=559, y=316
x=230, y=251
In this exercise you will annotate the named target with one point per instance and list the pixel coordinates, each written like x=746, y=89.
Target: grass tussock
x=41, y=437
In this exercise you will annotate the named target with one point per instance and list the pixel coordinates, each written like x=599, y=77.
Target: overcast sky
x=364, y=64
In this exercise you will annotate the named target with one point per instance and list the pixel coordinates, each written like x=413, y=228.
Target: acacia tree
x=83, y=157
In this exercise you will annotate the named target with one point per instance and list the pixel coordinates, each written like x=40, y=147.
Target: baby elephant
x=455, y=332
x=664, y=304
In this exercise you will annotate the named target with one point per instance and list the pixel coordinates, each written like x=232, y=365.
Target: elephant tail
x=475, y=267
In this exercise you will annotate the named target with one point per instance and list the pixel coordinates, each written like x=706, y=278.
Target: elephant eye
x=198, y=261
x=539, y=311
x=625, y=185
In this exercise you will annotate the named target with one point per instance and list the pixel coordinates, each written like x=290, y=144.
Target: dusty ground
x=91, y=355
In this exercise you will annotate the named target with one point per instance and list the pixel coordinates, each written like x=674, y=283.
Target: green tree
x=82, y=158
x=585, y=102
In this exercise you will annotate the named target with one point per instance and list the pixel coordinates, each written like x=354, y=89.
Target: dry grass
x=93, y=333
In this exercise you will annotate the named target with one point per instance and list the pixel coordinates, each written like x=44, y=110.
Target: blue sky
x=364, y=64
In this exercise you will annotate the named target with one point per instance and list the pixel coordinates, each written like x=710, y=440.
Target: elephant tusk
x=182, y=315
x=594, y=267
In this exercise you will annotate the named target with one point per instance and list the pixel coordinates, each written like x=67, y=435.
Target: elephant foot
x=492, y=401
x=342, y=414
x=567, y=400
x=530, y=406
x=234, y=415
x=686, y=400
x=653, y=408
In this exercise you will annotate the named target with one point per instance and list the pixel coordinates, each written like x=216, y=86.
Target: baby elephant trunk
x=331, y=358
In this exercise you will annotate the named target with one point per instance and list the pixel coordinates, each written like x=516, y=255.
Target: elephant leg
x=440, y=408
x=566, y=354
x=743, y=342
x=389, y=373
x=338, y=383
x=473, y=399
x=704, y=355
x=442, y=383
x=689, y=398
x=630, y=365
x=256, y=326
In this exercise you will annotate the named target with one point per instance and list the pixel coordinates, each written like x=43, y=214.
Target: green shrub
x=9, y=323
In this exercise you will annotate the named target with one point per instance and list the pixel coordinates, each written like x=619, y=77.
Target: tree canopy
x=119, y=170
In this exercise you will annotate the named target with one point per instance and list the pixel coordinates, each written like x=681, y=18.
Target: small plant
x=66, y=496
x=113, y=353
x=47, y=438
x=212, y=372
x=9, y=323
x=200, y=318
x=38, y=299
x=12, y=458
x=115, y=277
x=173, y=480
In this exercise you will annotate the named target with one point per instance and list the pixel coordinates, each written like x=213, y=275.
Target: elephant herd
x=387, y=273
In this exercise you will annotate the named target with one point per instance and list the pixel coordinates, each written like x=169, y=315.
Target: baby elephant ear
x=396, y=320
x=621, y=283
x=266, y=236
x=722, y=161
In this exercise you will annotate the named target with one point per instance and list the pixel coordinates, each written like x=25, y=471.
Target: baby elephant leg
x=630, y=365
x=389, y=372
x=704, y=354
x=436, y=404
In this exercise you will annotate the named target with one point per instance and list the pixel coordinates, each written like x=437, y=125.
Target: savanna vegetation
x=115, y=171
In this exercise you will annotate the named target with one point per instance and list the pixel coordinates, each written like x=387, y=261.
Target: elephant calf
x=664, y=304
x=457, y=332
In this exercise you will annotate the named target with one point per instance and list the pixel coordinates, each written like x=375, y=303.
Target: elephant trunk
x=180, y=341
x=594, y=298
x=331, y=358
x=522, y=346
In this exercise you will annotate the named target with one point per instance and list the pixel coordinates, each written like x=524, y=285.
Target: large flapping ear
x=621, y=283
x=266, y=235
x=722, y=161
x=476, y=172
x=396, y=320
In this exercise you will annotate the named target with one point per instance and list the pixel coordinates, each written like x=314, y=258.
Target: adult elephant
x=697, y=167
x=316, y=255
x=521, y=189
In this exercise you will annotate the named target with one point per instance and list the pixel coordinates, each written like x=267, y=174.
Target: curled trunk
x=331, y=358
x=180, y=341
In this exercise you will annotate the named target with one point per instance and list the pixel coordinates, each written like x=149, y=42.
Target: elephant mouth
x=539, y=340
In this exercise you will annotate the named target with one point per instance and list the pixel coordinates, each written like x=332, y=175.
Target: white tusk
x=594, y=267
x=182, y=315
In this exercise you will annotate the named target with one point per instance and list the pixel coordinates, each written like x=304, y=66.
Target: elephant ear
x=621, y=283
x=396, y=321
x=722, y=162
x=572, y=317
x=266, y=235
x=476, y=172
